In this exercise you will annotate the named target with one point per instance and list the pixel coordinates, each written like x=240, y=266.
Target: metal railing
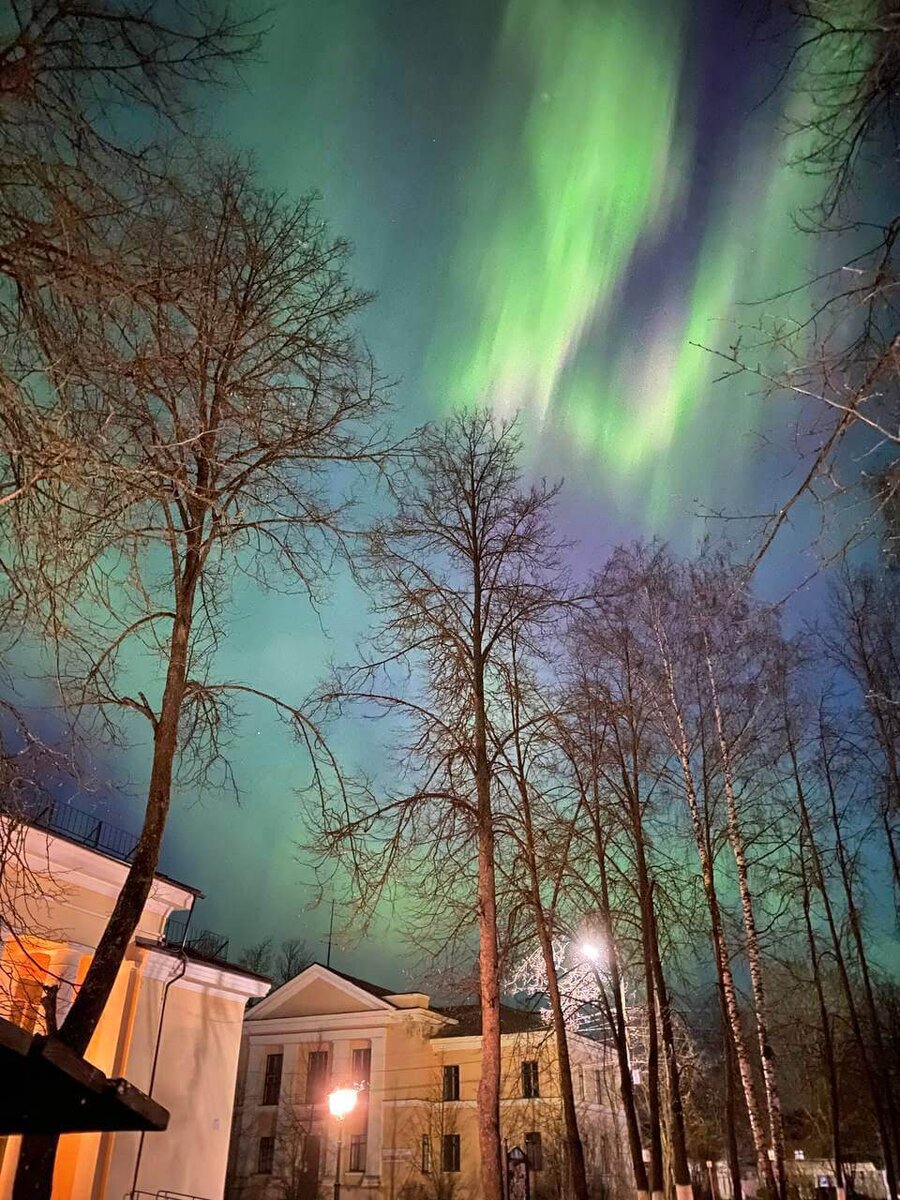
x=163, y=1195
x=80, y=826
x=201, y=941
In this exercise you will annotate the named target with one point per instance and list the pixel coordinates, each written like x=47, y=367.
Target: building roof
x=82, y=828
x=512, y=1020
x=373, y=989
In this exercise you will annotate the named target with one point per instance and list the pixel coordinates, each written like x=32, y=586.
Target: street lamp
x=341, y=1102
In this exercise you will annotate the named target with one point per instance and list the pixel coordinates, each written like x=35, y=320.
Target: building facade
x=172, y=1026
x=415, y=1068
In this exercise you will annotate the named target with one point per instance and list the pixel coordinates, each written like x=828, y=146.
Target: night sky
x=552, y=199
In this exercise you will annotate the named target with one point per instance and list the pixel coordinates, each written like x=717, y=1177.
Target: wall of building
x=405, y=1102
x=201, y=1032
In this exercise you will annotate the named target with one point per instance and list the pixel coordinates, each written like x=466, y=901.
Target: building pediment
x=318, y=991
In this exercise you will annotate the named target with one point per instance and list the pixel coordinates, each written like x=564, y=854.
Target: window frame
x=317, y=1081
x=362, y=1054
x=265, y=1154
x=450, y=1142
x=357, y=1143
x=531, y=1079
x=426, y=1164
x=450, y=1082
x=272, y=1079
x=534, y=1150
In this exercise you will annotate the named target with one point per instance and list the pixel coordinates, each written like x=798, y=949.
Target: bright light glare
x=590, y=951
x=341, y=1102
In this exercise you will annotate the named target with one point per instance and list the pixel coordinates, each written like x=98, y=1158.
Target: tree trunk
x=745, y=1068
x=34, y=1173
x=882, y=1056
x=681, y=1168
x=731, y=1141
x=646, y=906
x=488, y=957
x=617, y=1022
x=828, y=1059
x=872, y=1077
x=754, y=956
x=574, y=1147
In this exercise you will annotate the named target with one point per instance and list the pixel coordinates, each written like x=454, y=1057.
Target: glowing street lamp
x=341, y=1102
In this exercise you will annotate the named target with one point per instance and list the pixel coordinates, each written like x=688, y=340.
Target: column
x=375, y=1130
x=64, y=964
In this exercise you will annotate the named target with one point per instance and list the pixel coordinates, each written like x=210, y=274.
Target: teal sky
x=552, y=199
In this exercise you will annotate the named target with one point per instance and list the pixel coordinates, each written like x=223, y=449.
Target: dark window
x=451, y=1083
x=450, y=1152
x=316, y=1076
x=426, y=1154
x=272, y=1078
x=265, y=1158
x=530, y=1085
x=598, y=1080
x=534, y=1151
x=357, y=1152
x=312, y=1149
x=361, y=1068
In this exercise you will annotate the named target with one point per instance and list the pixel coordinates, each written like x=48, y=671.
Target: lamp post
x=340, y=1102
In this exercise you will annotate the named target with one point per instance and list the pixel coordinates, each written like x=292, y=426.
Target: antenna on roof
x=330, y=934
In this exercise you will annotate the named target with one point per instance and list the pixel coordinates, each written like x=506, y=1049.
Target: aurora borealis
x=557, y=204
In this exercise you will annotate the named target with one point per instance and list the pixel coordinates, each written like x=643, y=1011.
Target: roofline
x=220, y=963
x=73, y=841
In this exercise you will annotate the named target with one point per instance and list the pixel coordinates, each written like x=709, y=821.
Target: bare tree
x=211, y=403
x=466, y=560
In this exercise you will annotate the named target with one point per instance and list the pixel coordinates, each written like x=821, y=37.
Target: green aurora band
x=559, y=203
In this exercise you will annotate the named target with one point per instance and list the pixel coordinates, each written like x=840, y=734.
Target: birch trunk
x=751, y=933
x=745, y=1068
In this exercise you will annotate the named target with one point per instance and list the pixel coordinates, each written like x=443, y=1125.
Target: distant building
x=173, y=1019
x=413, y=1134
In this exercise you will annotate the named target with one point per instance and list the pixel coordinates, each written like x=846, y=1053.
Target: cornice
x=199, y=977
x=69, y=862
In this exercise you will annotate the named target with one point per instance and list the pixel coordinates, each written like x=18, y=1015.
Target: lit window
x=272, y=1078
x=534, y=1151
x=530, y=1083
x=450, y=1152
x=358, y=1152
x=361, y=1068
x=451, y=1083
x=265, y=1159
x=426, y=1154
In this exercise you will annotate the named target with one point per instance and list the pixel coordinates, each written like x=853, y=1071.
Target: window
x=357, y=1152
x=272, y=1078
x=312, y=1150
x=316, y=1076
x=426, y=1154
x=450, y=1152
x=265, y=1158
x=361, y=1068
x=581, y=1083
x=534, y=1151
x=451, y=1083
x=598, y=1080
x=530, y=1085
